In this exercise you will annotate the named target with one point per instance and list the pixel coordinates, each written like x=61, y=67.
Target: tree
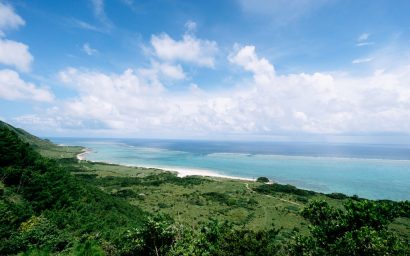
x=223, y=239
x=262, y=179
x=359, y=229
x=154, y=238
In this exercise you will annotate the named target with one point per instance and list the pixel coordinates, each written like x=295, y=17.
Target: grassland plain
x=194, y=200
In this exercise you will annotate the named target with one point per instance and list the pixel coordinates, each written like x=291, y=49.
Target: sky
x=234, y=69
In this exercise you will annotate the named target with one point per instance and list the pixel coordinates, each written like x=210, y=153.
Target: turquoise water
x=349, y=169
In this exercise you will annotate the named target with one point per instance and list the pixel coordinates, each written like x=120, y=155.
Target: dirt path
x=277, y=198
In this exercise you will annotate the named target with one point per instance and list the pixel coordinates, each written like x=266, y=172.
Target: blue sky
x=206, y=69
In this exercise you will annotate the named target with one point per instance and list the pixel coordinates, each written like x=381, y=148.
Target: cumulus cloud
x=246, y=57
x=12, y=87
x=115, y=100
x=133, y=101
x=323, y=102
x=136, y=102
x=89, y=50
x=15, y=54
x=8, y=18
x=190, y=49
x=158, y=71
x=171, y=71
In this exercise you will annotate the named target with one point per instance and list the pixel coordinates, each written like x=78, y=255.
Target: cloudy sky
x=233, y=69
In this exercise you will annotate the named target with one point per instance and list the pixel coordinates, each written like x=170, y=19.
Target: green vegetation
x=44, y=147
x=359, y=229
x=262, y=179
x=44, y=206
x=51, y=203
x=288, y=189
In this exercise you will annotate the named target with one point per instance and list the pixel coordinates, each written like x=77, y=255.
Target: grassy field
x=223, y=199
x=195, y=200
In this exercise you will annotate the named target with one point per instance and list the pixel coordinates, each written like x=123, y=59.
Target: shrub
x=302, y=199
x=339, y=196
x=272, y=188
x=359, y=229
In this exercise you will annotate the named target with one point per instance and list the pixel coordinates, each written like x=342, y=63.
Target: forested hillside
x=46, y=209
x=44, y=206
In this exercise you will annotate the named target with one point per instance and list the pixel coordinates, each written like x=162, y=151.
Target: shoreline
x=186, y=171
x=180, y=171
x=84, y=152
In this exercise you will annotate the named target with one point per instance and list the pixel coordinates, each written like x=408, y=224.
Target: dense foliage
x=44, y=206
x=262, y=179
x=359, y=229
x=289, y=189
x=161, y=236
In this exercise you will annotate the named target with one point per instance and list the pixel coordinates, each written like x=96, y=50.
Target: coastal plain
x=194, y=200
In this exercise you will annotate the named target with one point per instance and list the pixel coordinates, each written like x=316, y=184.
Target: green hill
x=43, y=206
x=44, y=146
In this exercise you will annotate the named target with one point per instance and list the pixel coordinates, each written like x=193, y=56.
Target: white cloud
x=12, y=87
x=363, y=37
x=15, y=54
x=136, y=103
x=33, y=120
x=365, y=43
x=8, y=18
x=362, y=60
x=362, y=40
x=99, y=13
x=83, y=25
x=190, y=26
x=117, y=101
x=261, y=68
x=171, y=71
x=165, y=71
x=189, y=49
x=88, y=50
x=326, y=103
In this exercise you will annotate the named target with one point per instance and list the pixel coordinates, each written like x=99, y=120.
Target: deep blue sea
x=375, y=171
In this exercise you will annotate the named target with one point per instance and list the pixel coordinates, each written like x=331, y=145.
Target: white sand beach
x=181, y=171
x=82, y=155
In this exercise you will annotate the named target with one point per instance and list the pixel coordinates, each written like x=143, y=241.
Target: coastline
x=180, y=171
x=183, y=171
x=84, y=152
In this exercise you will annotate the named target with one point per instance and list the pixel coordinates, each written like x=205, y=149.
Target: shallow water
x=366, y=170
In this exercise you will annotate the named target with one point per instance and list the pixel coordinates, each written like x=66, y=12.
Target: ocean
x=374, y=171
